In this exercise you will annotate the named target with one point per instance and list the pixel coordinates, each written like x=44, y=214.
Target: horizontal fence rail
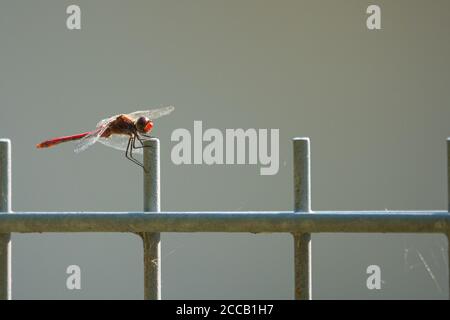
x=253, y=222
x=149, y=223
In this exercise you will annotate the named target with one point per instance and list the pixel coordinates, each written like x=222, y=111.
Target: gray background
x=375, y=105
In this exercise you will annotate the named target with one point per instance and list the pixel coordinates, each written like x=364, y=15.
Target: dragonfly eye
x=148, y=126
x=143, y=124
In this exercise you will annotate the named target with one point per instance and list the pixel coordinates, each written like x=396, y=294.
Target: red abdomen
x=55, y=141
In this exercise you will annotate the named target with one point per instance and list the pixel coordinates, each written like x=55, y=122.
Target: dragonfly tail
x=55, y=141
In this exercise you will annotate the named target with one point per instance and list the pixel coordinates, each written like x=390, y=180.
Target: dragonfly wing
x=106, y=121
x=90, y=139
x=119, y=142
x=152, y=114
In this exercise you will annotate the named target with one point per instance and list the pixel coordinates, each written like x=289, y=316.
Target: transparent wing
x=106, y=121
x=119, y=142
x=152, y=114
x=91, y=138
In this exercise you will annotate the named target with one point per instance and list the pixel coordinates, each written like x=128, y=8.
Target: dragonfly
x=121, y=132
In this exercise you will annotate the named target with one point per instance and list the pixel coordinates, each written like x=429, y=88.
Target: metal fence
x=301, y=222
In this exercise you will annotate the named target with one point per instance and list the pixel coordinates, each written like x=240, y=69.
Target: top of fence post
x=302, y=175
x=5, y=175
x=151, y=176
x=5, y=206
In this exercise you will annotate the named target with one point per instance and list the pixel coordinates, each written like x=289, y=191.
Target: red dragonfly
x=120, y=132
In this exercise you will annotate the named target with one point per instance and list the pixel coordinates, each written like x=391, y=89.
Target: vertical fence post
x=5, y=206
x=302, y=203
x=448, y=209
x=152, y=203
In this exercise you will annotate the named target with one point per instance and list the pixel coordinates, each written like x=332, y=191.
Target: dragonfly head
x=144, y=125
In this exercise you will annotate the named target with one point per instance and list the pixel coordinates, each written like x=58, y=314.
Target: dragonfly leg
x=129, y=153
x=141, y=141
x=132, y=146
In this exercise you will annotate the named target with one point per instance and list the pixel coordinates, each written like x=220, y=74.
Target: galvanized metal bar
x=301, y=223
x=5, y=206
x=448, y=261
x=253, y=222
x=448, y=175
x=302, y=269
x=448, y=208
x=302, y=203
x=152, y=203
x=302, y=175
